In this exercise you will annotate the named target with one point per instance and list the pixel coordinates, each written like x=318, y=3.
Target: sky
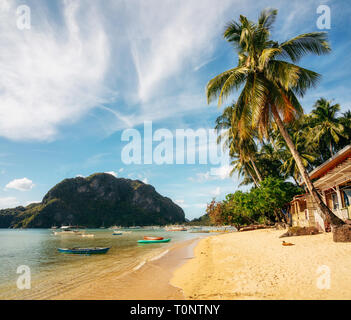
x=78, y=75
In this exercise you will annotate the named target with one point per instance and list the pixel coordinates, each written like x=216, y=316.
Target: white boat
x=115, y=228
x=175, y=228
x=88, y=235
x=67, y=230
x=119, y=233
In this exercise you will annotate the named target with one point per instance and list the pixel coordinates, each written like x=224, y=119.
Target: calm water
x=53, y=273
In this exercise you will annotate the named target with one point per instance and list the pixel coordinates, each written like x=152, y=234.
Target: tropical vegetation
x=268, y=136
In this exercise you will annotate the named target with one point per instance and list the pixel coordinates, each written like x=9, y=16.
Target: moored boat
x=175, y=228
x=67, y=230
x=83, y=250
x=88, y=235
x=153, y=238
x=154, y=241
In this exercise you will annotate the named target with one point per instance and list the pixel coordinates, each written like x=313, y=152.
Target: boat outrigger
x=83, y=250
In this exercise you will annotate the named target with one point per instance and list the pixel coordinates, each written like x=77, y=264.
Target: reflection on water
x=53, y=273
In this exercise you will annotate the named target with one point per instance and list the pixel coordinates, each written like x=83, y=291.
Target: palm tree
x=270, y=85
x=289, y=167
x=345, y=120
x=326, y=126
x=242, y=147
x=244, y=170
x=269, y=160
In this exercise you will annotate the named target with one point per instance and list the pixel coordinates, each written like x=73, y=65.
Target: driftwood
x=254, y=227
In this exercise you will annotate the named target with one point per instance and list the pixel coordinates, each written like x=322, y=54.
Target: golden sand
x=149, y=282
x=255, y=265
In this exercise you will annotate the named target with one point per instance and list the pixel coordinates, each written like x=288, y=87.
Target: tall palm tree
x=270, y=83
x=242, y=147
x=326, y=126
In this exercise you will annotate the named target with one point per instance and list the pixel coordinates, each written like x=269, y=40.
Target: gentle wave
x=160, y=255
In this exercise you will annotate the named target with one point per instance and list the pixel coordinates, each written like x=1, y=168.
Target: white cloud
x=112, y=173
x=168, y=34
x=23, y=184
x=200, y=205
x=216, y=192
x=51, y=74
x=8, y=202
x=145, y=180
x=80, y=176
x=121, y=170
x=220, y=173
x=31, y=202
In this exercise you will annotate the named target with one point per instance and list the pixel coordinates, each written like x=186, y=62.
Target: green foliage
x=202, y=221
x=260, y=205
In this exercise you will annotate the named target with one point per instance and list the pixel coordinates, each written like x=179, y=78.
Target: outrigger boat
x=176, y=228
x=83, y=250
x=154, y=241
x=153, y=238
x=67, y=230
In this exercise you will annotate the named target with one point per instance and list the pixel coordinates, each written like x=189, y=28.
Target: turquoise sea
x=53, y=273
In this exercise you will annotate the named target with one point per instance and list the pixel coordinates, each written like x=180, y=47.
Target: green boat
x=154, y=241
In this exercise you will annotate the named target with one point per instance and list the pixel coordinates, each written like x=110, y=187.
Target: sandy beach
x=239, y=265
x=255, y=265
x=150, y=281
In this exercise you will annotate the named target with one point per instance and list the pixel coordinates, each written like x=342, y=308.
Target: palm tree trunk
x=326, y=212
x=331, y=149
x=254, y=180
x=256, y=170
x=297, y=184
x=252, y=177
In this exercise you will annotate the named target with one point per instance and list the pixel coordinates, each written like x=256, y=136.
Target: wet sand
x=150, y=281
x=255, y=265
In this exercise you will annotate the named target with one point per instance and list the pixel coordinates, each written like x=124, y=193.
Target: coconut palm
x=242, y=147
x=345, y=120
x=326, y=126
x=289, y=167
x=244, y=170
x=270, y=82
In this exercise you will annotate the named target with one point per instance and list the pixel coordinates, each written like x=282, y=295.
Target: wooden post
x=338, y=193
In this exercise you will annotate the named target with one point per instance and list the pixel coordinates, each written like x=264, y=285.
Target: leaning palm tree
x=326, y=126
x=271, y=81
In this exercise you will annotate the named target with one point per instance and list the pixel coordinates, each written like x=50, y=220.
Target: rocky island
x=94, y=201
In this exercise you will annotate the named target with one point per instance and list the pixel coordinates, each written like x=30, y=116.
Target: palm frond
x=314, y=42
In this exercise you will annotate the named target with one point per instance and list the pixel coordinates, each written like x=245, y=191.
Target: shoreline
x=150, y=280
x=255, y=265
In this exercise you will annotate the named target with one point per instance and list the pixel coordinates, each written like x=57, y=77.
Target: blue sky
x=87, y=70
